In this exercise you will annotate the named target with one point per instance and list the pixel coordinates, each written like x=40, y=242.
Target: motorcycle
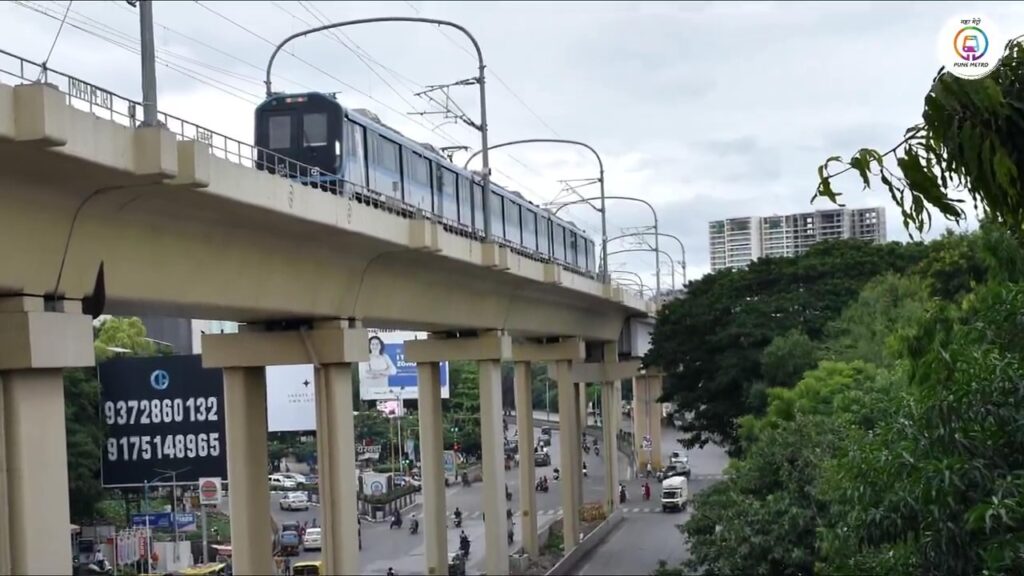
x=541, y=487
x=457, y=522
x=555, y=474
x=597, y=451
x=414, y=527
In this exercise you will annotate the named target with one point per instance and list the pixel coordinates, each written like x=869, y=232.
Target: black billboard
x=162, y=413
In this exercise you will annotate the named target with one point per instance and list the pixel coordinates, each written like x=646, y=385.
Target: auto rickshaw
x=312, y=568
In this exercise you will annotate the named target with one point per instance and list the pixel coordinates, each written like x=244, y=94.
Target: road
x=642, y=539
x=384, y=548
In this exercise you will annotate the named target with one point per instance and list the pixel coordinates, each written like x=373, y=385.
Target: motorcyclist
x=464, y=543
x=458, y=517
x=584, y=468
x=622, y=493
x=391, y=571
x=555, y=474
x=414, y=524
x=396, y=520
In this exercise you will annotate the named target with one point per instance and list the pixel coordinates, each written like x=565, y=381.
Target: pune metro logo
x=970, y=47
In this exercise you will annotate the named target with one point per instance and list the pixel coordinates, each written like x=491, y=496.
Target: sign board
x=186, y=521
x=640, y=331
x=209, y=491
x=291, y=398
x=646, y=442
x=387, y=375
x=161, y=413
x=375, y=483
x=449, y=463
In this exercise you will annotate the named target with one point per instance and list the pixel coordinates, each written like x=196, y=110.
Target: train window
x=570, y=248
x=465, y=201
x=314, y=129
x=417, y=181
x=355, y=154
x=513, y=230
x=589, y=245
x=280, y=131
x=478, y=206
x=581, y=251
x=449, y=200
x=529, y=228
x=497, y=220
x=385, y=171
x=558, y=235
x=543, y=235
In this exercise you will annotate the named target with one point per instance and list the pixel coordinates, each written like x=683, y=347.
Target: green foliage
x=938, y=488
x=712, y=342
x=84, y=431
x=127, y=333
x=870, y=328
x=786, y=359
x=968, y=140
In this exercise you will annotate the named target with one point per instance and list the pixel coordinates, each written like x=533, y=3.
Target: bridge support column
x=336, y=456
x=583, y=406
x=524, y=423
x=647, y=420
x=35, y=346
x=332, y=347
x=611, y=399
x=435, y=529
x=569, y=440
x=489, y=349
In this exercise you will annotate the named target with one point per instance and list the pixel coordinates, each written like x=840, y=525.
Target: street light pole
x=600, y=180
x=148, y=52
x=639, y=233
x=174, y=503
x=671, y=262
x=480, y=79
x=604, y=248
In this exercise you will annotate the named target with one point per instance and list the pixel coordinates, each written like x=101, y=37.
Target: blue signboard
x=387, y=375
x=406, y=377
x=162, y=521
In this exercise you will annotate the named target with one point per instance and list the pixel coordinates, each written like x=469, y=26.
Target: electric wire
x=53, y=44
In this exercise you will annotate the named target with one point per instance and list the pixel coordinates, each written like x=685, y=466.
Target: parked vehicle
x=290, y=543
x=675, y=494
x=313, y=539
x=297, y=478
x=295, y=501
x=314, y=568
x=541, y=459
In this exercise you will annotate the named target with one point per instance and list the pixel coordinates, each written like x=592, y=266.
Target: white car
x=297, y=478
x=278, y=481
x=294, y=501
x=678, y=457
x=312, y=539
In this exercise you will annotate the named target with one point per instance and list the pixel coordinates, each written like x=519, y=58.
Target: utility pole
x=148, y=63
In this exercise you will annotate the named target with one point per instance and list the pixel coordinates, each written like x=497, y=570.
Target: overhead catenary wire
x=53, y=44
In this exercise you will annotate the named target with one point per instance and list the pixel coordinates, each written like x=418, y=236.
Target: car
x=678, y=457
x=278, y=481
x=290, y=526
x=541, y=459
x=294, y=501
x=297, y=478
x=403, y=480
x=289, y=543
x=312, y=539
x=545, y=431
x=672, y=471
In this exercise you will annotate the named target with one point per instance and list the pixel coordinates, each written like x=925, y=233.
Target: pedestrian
x=647, y=490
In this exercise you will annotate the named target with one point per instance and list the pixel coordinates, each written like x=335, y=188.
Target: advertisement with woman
x=387, y=376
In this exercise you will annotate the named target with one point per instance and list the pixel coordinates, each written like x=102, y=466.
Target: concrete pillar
x=569, y=443
x=492, y=446
x=432, y=455
x=245, y=408
x=336, y=455
x=35, y=347
x=654, y=392
x=583, y=406
x=640, y=422
x=610, y=400
x=524, y=423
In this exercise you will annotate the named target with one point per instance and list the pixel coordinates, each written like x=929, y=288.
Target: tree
x=84, y=434
x=128, y=333
x=937, y=488
x=712, y=342
x=783, y=363
x=764, y=518
x=969, y=140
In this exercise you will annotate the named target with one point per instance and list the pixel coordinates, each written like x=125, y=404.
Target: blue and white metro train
x=352, y=150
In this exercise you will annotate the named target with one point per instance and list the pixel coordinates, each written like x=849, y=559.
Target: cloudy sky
x=707, y=110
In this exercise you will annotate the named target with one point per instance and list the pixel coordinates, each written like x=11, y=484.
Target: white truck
x=675, y=493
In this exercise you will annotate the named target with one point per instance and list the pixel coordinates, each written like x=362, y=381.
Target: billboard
x=291, y=398
x=162, y=414
x=387, y=375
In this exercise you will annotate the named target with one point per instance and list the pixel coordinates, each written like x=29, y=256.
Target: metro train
x=352, y=151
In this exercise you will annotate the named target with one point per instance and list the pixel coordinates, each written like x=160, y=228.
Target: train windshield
x=280, y=132
x=314, y=129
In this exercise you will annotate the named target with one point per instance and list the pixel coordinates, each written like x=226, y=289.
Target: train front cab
x=304, y=128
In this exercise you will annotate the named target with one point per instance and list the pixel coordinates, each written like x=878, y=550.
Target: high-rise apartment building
x=736, y=242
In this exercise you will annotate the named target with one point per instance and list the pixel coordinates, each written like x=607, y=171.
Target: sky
x=706, y=110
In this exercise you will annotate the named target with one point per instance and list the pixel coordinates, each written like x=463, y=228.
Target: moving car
x=541, y=459
x=297, y=478
x=314, y=568
x=675, y=494
x=295, y=501
x=312, y=539
x=673, y=470
x=290, y=543
x=279, y=481
x=678, y=457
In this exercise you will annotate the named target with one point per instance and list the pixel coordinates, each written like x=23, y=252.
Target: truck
x=675, y=494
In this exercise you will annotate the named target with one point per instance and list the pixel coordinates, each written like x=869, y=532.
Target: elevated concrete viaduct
x=101, y=214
